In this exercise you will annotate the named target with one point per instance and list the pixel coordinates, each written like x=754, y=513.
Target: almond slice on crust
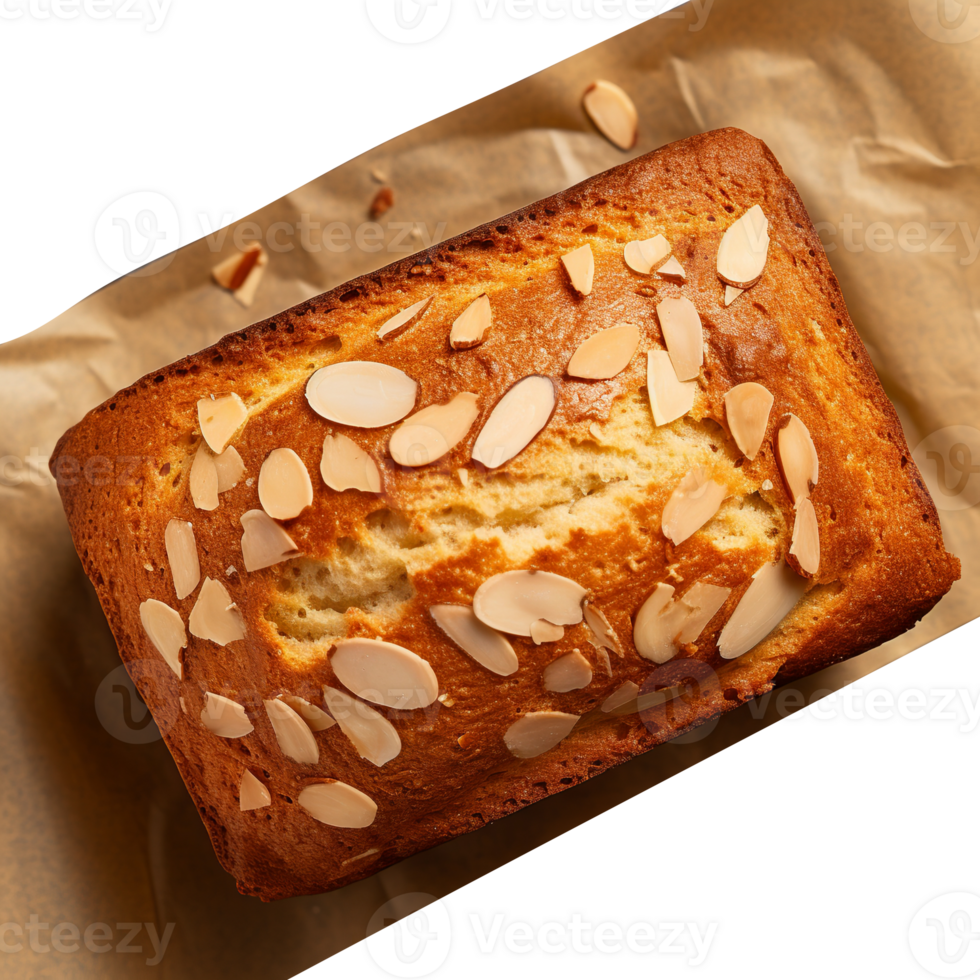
x=185, y=566
x=252, y=794
x=605, y=354
x=384, y=673
x=747, y=408
x=431, y=433
x=732, y=293
x=224, y=717
x=797, y=458
x=806, y=537
x=538, y=731
x=264, y=542
x=214, y=616
x=670, y=399
x=693, y=503
x=683, y=335
x=544, y=632
x=220, y=417
x=672, y=269
x=374, y=737
x=623, y=694
x=569, y=673
x=229, y=468
x=744, y=248
x=204, y=480
x=486, y=646
x=400, y=322
x=338, y=804
x=513, y=601
x=642, y=256
x=295, y=739
x=344, y=465
x=364, y=394
x=579, y=263
x=471, y=326
x=604, y=635
x=317, y=719
x=285, y=490
x=613, y=113
x=657, y=624
x=165, y=628
x=702, y=601
x=515, y=420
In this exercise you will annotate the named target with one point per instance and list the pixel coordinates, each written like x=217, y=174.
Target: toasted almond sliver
x=747, y=408
x=743, y=249
x=246, y=291
x=230, y=469
x=374, y=737
x=185, y=567
x=220, y=417
x=613, y=113
x=252, y=794
x=214, y=616
x=264, y=542
x=338, y=804
x=285, y=490
x=224, y=717
x=317, y=719
x=774, y=591
x=602, y=655
x=241, y=273
x=292, y=733
x=569, y=673
x=657, y=624
x=537, y=732
x=384, y=673
x=732, y=293
x=693, y=503
x=344, y=465
x=644, y=255
x=165, y=628
x=400, y=322
x=606, y=353
x=623, y=694
x=364, y=394
x=515, y=420
x=204, y=480
x=702, y=600
x=471, y=326
x=797, y=458
x=605, y=635
x=544, y=632
x=672, y=269
x=513, y=601
x=683, y=335
x=580, y=266
x=431, y=433
x=806, y=537
x=485, y=645
x=670, y=399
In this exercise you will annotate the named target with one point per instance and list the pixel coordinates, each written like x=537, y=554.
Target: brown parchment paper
x=875, y=122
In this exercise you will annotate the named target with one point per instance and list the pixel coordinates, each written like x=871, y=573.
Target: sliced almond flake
x=693, y=503
x=264, y=542
x=569, y=673
x=672, y=269
x=657, y=624
x=602, y=654
x=285, y=490
x=295, y=739
x=165, y=628
x=806, y=537
x=606, y=353
x=384, y=673
x=544, y=632
x=774, y=591
x=485, y=645
x=220, y=417
x=242, y=272
x=252, y=794
x=538, y=731
x=747, y=408
x=364, y=394
x=214, y=616
x=185, y=566
x=338, y=804
x=515, y=420
x=743, y=249
x=317, y=719
x=702, y=601
x=642, y=256
x=344, y=465
x=513, y=601
x=400, y=322
x=623, y=694
x=604, y=634
x=224, y=717
x=580, y=266
x=204, y=480
x=613, y=113
x=732, y=293
x=683, y=335
x=464, y=477
x=797, y=458
x=431, y=433
x=230, y=469
x=670, y=399
x=471, y=326
x=374, y=737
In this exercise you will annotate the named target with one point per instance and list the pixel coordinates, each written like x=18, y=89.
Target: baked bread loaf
x=466, y=531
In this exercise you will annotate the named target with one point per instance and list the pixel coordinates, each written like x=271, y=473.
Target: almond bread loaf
x=461, y=533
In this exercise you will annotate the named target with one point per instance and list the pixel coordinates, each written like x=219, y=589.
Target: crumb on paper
x=382, y=202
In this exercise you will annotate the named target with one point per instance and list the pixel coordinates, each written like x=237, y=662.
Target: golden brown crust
x=123, y=473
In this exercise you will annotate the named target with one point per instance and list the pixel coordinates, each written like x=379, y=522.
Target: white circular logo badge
x=417, y=943
x=409, y=21
x=122, y=711
x=136, y=230
x=947, y=21
x=949, y=461
x=944, y=935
